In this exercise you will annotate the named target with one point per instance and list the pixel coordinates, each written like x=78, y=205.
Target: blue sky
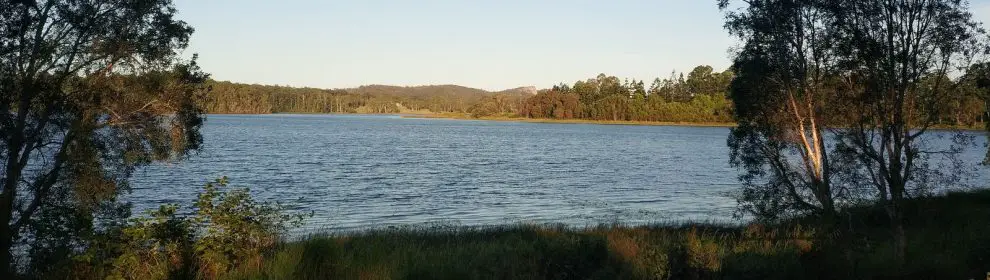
x=488, y=44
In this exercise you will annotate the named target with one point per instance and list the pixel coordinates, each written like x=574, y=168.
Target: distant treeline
x=234, y=98
x=699, y=96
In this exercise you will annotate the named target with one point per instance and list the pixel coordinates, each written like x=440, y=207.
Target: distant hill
x=530, y=90
x=447, y=90
x=229, y=97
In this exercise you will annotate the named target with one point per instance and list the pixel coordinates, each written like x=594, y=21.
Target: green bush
x=225, y=229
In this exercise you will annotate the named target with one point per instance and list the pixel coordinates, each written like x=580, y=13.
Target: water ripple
x=362, y=172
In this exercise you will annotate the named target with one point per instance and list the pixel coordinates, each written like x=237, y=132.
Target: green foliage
x=700, y=98
x=155, y=247
x=811, y=72
x=233, y=98
x=552, y=104
x=946, y=241
x=233, y=227
x=781, y=96
x=976, y=83
x=223, y=230
x=496, y=105
x=89, y=90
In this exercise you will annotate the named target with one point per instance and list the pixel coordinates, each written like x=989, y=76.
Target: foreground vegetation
x=226, y=234
x=947, y=240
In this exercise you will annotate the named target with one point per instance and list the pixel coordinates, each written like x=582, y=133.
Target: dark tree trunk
x=897, y=230
x=895, y=210
x=6, y=216
x=7, y=234
x=8, y=196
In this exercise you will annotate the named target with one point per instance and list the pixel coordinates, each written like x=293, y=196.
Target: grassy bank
x=949, y=238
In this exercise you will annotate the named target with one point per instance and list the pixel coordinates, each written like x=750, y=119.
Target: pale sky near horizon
x=487, y=44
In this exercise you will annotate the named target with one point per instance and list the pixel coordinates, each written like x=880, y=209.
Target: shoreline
x=464, y=116
x=567, y=121
x=607, y=122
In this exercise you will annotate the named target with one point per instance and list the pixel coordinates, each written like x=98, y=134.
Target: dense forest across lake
x=701, y=96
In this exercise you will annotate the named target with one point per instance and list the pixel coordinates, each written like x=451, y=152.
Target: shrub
x=225, y=229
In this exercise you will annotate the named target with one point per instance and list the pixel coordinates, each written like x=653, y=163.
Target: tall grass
x=949, y=239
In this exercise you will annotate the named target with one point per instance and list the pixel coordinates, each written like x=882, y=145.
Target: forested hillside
x=698, y=96
x=234, y=98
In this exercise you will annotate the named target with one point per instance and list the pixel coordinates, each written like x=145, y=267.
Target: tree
x=978, y=79
x=495, y=105
x=89, y=90
x=883, y=76
x=556, y=103
x=889, y=49
x=702, y=80
x=654, y=87
x=779, y=97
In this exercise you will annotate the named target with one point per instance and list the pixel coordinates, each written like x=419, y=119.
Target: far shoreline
x=463, y=116
x=565, y=121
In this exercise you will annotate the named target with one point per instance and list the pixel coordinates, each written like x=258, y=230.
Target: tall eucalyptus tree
x=780, y=95
x=89, y=89
x=869, y=73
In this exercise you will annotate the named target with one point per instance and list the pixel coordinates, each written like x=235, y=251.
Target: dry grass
x=951, y=245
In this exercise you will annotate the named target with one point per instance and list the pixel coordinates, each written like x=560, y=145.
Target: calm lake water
x=358, y=171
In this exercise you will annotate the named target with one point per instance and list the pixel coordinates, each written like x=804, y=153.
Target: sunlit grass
x=948, y=239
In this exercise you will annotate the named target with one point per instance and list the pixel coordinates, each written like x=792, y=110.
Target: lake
x=358, y=172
